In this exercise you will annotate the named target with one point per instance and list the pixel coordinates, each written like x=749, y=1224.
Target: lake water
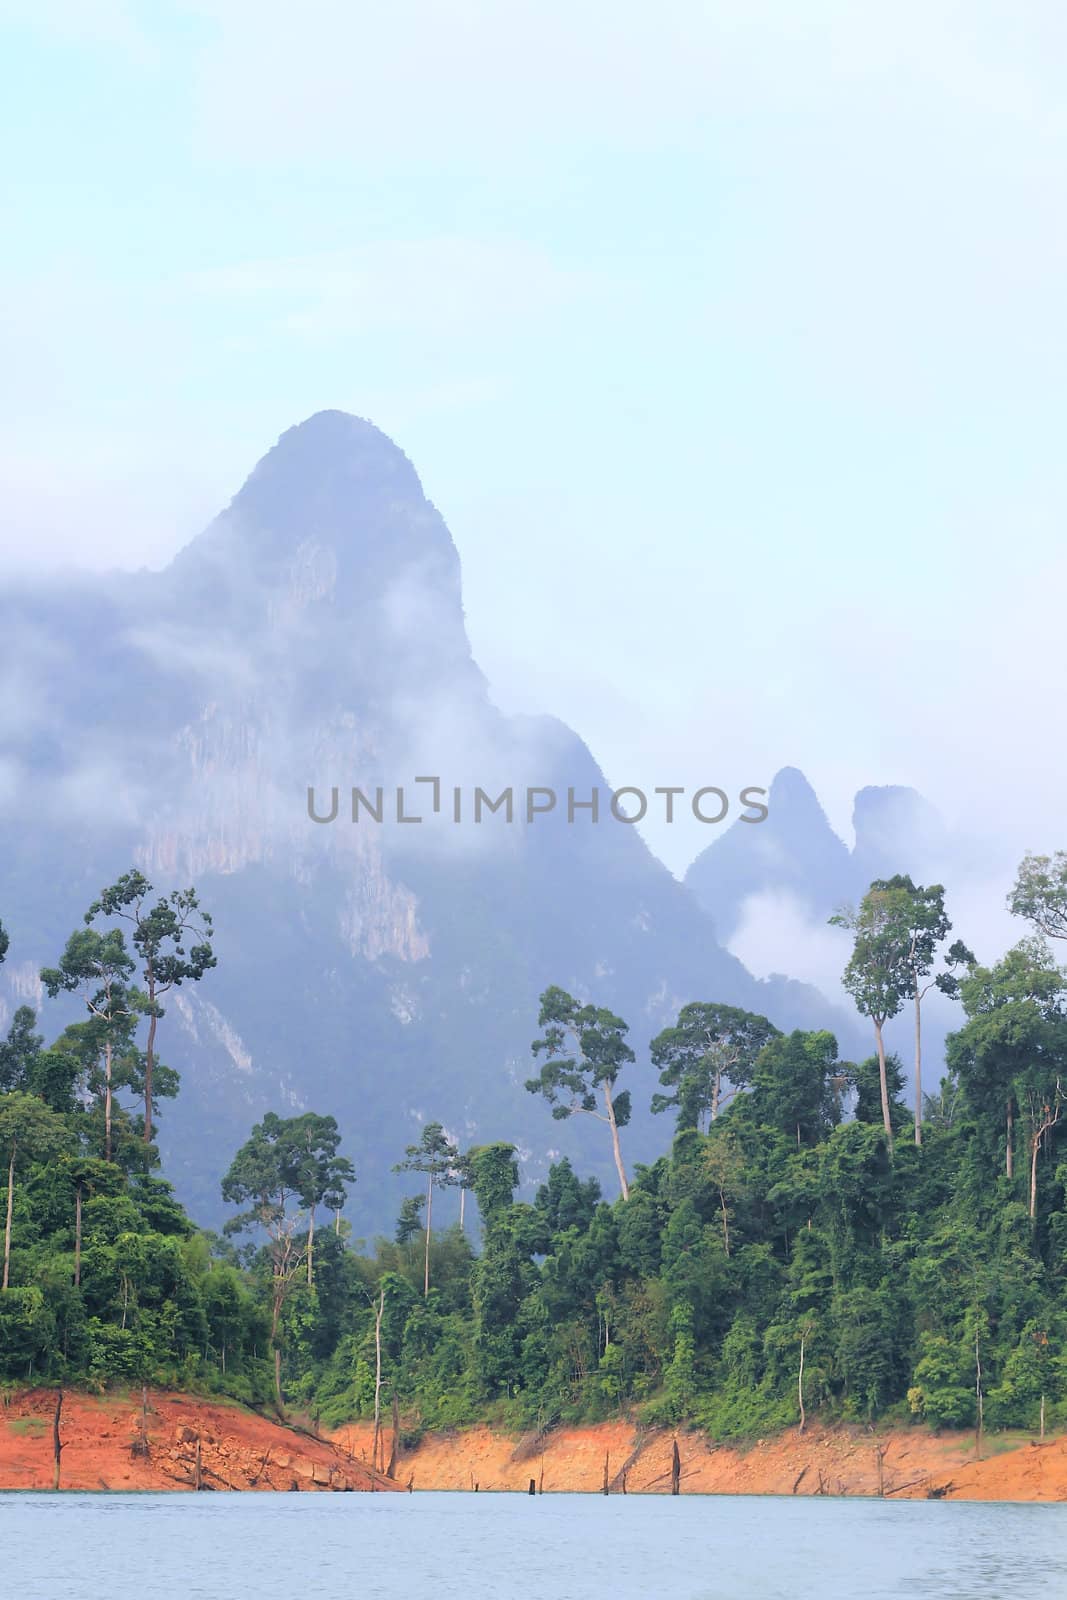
x=512, y=1547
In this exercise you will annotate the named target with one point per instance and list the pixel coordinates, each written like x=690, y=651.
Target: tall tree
x=437, y=1158
x=1011, y=1053
x=317, y=1173
x=1040, y=893
x=924, y=927
x=172, y=939
x=262, y=1176
x=878, y=974
x=29, y=1131
x=585, y=1049
x=99, y=966
x=709, y=1048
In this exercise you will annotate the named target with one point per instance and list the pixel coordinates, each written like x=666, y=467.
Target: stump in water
x=676, y=1469
x=605, y=1489
x=198, y=1473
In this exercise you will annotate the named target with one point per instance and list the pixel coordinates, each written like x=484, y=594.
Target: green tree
x=1040, y=894
x=585, y=1049
x=878, y=974
x=709, y=1047
x=262, y=1176
x=172, y=939
x=924, y=928
x=436, y=1157
x=1011, y=1053
x=99, y=966
x=29, y=1131
x=317, y=1173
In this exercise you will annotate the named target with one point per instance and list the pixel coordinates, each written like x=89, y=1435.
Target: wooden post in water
x=607, y=1458
x=57, y=1447
x=676, y=1469
x=533, y=1486
x=198, y=1475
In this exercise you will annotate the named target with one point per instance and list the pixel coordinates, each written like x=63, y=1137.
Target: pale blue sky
x=729, y=339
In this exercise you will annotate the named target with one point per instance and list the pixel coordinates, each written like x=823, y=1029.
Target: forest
x=813, y=1240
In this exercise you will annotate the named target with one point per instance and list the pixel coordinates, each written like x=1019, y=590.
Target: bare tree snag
x=57, y=1445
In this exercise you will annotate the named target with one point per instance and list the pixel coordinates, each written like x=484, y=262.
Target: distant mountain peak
x=330, y=453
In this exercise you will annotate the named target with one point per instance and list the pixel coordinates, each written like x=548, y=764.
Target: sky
x=729, y=338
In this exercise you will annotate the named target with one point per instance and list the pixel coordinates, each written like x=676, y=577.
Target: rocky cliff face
x=313, y=635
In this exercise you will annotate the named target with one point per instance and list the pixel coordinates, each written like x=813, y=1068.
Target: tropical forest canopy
x=810, y=1240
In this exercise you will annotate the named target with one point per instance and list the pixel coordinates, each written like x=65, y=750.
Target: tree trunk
x=57, y=1447
x=918, y=1070
x=278, y=1380
x=616, y=1147
x=715, y=1093
x=429, y=1215
x=10, y=1204
x=676, y=1469
x=311, y=1242
x=107, y=1099
x=78, y=1236
x=886, y=1118
x=394, y=1454
x=149, y=1062
x=1009, y=1149
x=1049, y=1121
x=462, y=1206
x=378, y=1311
x=800, y=1383
x=725, y=1223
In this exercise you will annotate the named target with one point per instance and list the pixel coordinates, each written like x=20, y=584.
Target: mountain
x=387, y=972
x=797, y=853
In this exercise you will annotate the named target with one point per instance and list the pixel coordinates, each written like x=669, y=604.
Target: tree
x=724, y=1164
x=1012, y=1050
x=262, y=1176
x=878, y=974
x=409, y=1222
x=19, y=1051
x=709, y=1046
x=100, y=966
x=316, y=1172
x=437, y=1157
x=1040, y=893
x=29, y=1131
x=572, y=1083
x=796, y=1086
x=161, y=934
x=924, y=928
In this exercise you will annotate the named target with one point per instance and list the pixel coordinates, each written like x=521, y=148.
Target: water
x=511, y=1547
